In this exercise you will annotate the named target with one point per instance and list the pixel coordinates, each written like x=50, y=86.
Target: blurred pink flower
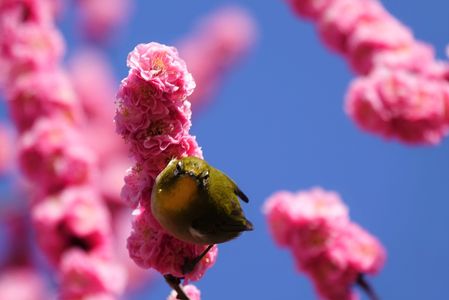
x=310, y=9
x=153, y=117
x=401, y=105
x=94, y=84
x=224, y=37
x=404, y=93
x=53, y=156
x=30, y=11
x=287, y=213
x=88, y=276
x=137, y=276
x=27, y=47
x=6, y=150
x=191, y=291
x=326, y=245
x=75, y=218
x=22, y=283
x=99, y=18
x=67, y=210
x=341, y=18
x=95, y=87
x=376, y=37
x=37, y=94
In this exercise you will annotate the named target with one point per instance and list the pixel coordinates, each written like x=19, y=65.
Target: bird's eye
x=178, y=168
x=204, y=177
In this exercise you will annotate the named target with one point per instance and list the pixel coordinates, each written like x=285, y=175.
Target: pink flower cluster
x=402, y=91
x=326, y=245
x=191, y=291
x=67, y=211
x=153, y=116
x=223, y=37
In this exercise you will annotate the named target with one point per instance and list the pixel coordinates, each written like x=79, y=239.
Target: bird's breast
x=178, y=197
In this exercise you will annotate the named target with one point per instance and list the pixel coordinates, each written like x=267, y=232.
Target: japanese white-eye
x=197, y=203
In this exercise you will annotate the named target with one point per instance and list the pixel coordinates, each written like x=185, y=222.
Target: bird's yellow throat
x=179, y=196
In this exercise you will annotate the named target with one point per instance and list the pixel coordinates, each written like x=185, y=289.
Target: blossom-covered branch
x=72, y=224
x=333, y=251
x=153, y=117
x=403, y=89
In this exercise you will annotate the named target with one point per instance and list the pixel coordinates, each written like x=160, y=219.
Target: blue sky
x=278, y=123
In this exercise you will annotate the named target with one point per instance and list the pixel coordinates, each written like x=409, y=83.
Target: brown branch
x=175, y=283
x=364, y=285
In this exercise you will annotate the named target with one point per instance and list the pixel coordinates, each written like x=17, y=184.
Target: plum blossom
x=191, y=291
x=403, y=91
x=85, y=276
x=400, y=105
x=6, y=149
x=153, y=117
x=23, y=283
x=38, y=94
x=330, y=249
x=53, y=156
x=75, y=218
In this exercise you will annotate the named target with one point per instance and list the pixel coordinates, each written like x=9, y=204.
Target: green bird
x=198, y=204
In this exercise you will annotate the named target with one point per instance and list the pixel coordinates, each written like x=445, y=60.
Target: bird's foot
x=190, y=264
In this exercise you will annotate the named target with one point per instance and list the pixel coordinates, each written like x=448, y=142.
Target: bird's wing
x=240, y=194
x=237, y=190
x=221, y=225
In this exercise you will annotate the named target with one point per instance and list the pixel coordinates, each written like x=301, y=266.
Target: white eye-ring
x=178, y=169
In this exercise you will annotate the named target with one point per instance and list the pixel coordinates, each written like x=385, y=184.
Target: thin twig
x=175, y=283
x=364, y=285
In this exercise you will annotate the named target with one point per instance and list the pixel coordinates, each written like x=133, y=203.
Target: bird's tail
x=248, y=225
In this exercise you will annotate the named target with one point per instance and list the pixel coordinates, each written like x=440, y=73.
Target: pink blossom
x=401, y=105
x=86, y=276
x=75, y=218
x=6, y=150
x=30, y=11
x=366, y=41
x=161, y=67
x=52, y=155
x=417, y=58
x=111, y=179
x=151, y=247
x=191, y=291
x=325, y=244
x=341, y=18
x=22, y=283
x=38, y=94
x=94, y=84
x=28, y=47
x=153, y=117
x=366, y=253
x=99, y=18
x=121, y=226
x=150, y=123
x=224, y=37
x=284, y=209
x=310, y=9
